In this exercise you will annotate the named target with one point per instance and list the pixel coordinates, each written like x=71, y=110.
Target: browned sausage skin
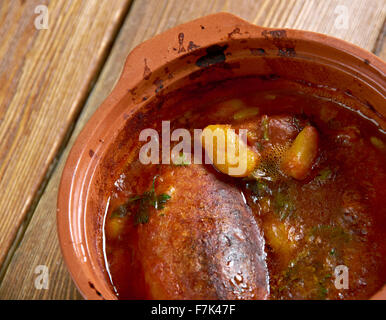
x=206, y=244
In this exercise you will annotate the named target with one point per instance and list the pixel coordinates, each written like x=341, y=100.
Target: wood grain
x=380, y=46
x=45, y=76
x=147, y=18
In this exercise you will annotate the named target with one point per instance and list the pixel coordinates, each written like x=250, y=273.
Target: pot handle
x=183, y=39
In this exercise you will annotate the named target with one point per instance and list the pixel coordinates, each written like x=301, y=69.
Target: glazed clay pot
x=198, y=53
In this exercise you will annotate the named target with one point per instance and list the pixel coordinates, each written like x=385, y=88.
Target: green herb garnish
x=259, y=188
x=296, y=122
x=324, y=174
x=333, y=233
x=123, y=209
x=181, y=160
x=161, y=200
x=265, y=126
x=322, y=294
x=323, y=291
x=283, y=204
x=142, y=204
x=259, y=146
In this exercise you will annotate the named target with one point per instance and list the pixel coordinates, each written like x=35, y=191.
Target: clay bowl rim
x=72, y=180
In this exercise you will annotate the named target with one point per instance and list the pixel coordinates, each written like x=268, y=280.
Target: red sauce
x=336, y=216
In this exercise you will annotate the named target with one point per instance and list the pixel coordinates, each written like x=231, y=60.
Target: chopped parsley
x=265, y=127
x=331, y=232
x=141, y=205
x=181, y=160
x=283, y=204
x=259, y=188
x=324, y=174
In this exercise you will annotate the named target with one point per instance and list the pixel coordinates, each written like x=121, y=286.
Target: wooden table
x=52, y=80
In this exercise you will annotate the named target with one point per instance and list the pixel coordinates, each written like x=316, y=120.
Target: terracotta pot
x=216, y=47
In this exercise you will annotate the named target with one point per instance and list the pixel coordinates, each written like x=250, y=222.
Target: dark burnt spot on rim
x=159, y=84
x=181, y=42
x=366, y=61
x=234, y=31
x=286, y=47
x=287, y=52
x=91, y=153
x=192, y=46
x=202, y=27
x=93, y=287
x=275, y=34
x=257, y=51
x=214, y=54
x=144, y=98
x=146, y=71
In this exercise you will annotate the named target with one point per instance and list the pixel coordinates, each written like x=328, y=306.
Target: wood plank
x=382, y=53
x=147, y=18
x=45, y=76
x=380, y=46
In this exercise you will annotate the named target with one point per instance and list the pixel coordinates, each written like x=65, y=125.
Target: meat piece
x=205, y=244
x=280, y=129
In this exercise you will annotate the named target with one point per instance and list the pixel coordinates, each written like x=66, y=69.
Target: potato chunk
x=280, y=237
x=299, y=158
x=228, y=153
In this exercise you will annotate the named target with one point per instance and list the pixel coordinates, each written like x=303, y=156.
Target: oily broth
x=335, y=217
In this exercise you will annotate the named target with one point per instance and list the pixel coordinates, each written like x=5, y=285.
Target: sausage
x=205, y=244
